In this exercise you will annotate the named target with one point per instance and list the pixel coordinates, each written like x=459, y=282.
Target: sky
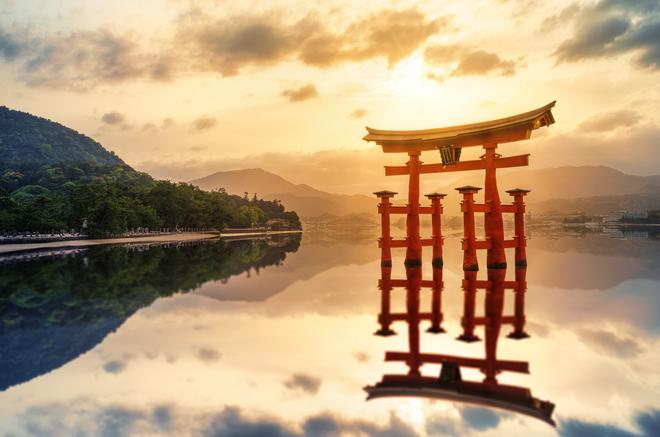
x=183, y=88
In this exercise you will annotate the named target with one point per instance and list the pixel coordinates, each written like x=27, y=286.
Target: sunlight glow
x=408, y=78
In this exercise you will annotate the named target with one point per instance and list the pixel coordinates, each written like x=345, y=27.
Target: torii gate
x=449, y=141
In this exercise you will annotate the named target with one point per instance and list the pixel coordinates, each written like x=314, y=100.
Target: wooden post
x=414, y=243
x=384, y=319
x=386, y=237
x=413, y=286
x=436, y=224
x=518, y=195
x=436, y=302
x=521, y=264
x=495, y=261
x=493, y=223
x=470, y=264
x=494, y=305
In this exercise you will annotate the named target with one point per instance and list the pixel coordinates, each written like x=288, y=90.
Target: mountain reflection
x=53, y=310
x=450, y=384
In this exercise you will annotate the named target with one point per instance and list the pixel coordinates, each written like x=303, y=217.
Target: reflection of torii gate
x=450, y=385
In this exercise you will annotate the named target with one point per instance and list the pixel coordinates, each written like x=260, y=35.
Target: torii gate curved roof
x=503, y=130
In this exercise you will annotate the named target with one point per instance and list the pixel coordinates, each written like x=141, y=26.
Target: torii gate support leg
x=436, y=223
x=436, y=303
x=470, y=264
x=414, y=283
x=521, y=264
x=385, y=233
x=414, y=243
x=495, y=262
x=384, y=318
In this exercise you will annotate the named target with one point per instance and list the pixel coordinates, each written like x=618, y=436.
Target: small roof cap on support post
x=517, y=191
x=385, y=193
x=468, y=189
x=435, y=195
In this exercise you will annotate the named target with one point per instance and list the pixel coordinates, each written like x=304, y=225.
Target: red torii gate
x=449, y=141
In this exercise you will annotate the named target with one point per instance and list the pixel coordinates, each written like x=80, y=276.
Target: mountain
x=54, y=178
x=27, y=140
x=305, y=200
x=591, y=189
x=569, y=182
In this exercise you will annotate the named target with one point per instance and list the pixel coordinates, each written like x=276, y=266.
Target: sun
x=408, y=78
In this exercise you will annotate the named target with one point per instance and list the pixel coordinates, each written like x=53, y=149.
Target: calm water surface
x=275, y=338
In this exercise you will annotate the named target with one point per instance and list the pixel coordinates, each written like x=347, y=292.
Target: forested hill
x=27, y=140
x=53, y=178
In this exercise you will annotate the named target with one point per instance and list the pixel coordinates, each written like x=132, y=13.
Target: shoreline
x=70, y=244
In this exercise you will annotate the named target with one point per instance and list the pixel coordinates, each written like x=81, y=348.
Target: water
x=275, y=338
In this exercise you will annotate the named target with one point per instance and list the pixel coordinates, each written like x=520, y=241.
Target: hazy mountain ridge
x=589, y=189
x=569, y=182
x=302, y=198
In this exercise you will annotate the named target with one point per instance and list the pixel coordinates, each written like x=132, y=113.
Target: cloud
x=361, y=356
x=114, y=366
x=85, y=417
x=10, y=46
x=593, y=38
x=358, y=113
x=648, y=423
x=203, y=123
x=231, y=423
x=592, y=148
x=467, y=61
x=80, y=60
x=79, y=419
x=481, y=62
x=479, y=418
x=116, y=421
x=162, y=417
x=306, y=383
x=208, y=355
x=609, y=121
x=614, y=27
x=113, y=118
x=300, y=94
x=560, y=19
x=230, y=44
x=388, y=33
x=347, y=171
x=611, y=343
x=148, y=127
x=437, y=425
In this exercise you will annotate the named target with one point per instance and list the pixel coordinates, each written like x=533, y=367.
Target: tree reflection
x=53, y=310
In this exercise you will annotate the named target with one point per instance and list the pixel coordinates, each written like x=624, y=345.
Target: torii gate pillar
x=414, y=246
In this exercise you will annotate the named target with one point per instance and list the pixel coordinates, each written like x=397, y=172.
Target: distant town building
x=618, y=216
